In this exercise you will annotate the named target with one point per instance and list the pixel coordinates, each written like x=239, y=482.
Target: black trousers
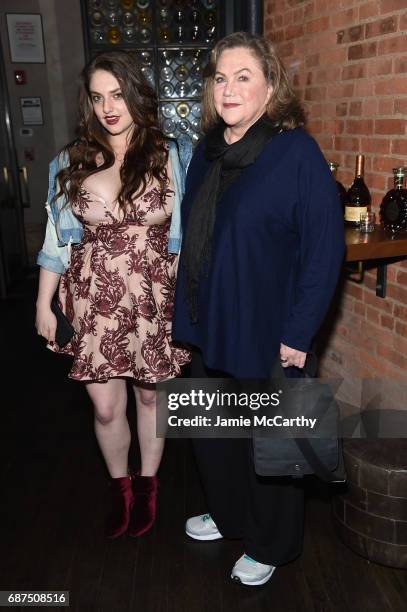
x=266, y=512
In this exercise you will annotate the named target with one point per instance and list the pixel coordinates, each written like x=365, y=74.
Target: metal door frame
x=13, y=167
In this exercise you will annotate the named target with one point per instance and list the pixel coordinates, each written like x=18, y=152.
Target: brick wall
x=348, y=61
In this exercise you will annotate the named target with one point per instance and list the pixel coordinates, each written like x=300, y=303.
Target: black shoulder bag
x=301, y=456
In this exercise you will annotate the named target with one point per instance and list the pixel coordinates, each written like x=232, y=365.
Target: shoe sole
x=256, y=583
x=208, y=538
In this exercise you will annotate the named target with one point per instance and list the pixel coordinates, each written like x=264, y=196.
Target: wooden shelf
x=376, y=245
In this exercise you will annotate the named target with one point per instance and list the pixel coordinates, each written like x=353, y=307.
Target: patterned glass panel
x=172, y=38
x=183, y=21
x=123, y=23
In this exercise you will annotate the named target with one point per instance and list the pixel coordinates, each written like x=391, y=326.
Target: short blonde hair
x=283, y=108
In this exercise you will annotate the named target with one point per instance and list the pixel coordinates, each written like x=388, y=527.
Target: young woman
x=106, y=248
x=262, y=249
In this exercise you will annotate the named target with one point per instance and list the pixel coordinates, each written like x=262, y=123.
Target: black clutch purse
x=64, y=331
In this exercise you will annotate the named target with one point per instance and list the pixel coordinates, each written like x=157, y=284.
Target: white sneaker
x=202, y=527
x=248, y=571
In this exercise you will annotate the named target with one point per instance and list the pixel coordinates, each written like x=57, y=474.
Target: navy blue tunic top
x=277, y=249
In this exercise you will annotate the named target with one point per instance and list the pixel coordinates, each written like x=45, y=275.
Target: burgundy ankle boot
x=145, y=505
x=122, y=503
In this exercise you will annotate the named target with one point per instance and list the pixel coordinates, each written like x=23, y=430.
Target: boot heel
x=122, y=504
x=145, y=505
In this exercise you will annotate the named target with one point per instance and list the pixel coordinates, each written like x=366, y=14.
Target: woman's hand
x=46, y=322
x=291, y=357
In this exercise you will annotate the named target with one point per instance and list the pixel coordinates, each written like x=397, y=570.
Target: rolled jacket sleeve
x=52, y=257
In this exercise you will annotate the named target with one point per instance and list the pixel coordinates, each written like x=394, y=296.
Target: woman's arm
x=45, y=320
x=320, y=229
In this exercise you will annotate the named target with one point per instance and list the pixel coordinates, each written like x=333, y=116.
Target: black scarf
x=228, y=161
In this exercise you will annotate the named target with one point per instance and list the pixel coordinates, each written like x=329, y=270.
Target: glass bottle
x=129, y=34
x=98, y=36
x=166, y=58
x=145, y=35
x=183, y=110
x=181, y=73
x=358, y=195
x=180, y=34
x=210, y=34
x=128, y=19
x=113, y=18
x=169, y=127
x=164, y=16
x=183, y=125
x=97, y=19
x=195, y=33
x=343, y=197
x=182, y=90
x=393, y=209
x=179, y=16
x=166, y=89
x=196, y=110
x=143, y=18
x=145, y=58
x=165, y=35
x=114, y=35
x=166, y=73
x=196, y=89
x=168, y=110
x=210, y=18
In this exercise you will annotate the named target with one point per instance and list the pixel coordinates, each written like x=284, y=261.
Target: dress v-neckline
x=88, y=191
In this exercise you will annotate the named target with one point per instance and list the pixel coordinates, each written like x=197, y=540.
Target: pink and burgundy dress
x=118, y=291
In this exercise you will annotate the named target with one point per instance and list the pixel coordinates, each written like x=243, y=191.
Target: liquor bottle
x=143, y=18
x=97, y=19
x=195, y=33
x=182, y=73
x=210, y=18
x=165, y=35
x=180, y=32
x=343, y=197
x=164, y=16
x=358, y=195
x=194, y=16
x=128, y=19
x=179, y=16
x=129, y=34
x=114, y=35
x=393, y=209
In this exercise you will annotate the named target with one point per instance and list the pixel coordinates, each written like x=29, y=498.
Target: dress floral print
x=118, y=291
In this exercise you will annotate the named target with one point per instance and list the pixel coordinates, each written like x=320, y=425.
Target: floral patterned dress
x=118, y=291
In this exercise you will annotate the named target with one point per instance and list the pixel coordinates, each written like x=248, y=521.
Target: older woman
x=263, y=245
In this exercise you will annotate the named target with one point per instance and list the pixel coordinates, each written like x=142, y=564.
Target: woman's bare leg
x=151, y=447
x=111, y=426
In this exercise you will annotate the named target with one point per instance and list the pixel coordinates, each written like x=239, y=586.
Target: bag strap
x=303, y=444
x=320, y=468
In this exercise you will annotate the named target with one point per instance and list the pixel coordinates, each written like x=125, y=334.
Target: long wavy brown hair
x=146, y=155
x=283, y=108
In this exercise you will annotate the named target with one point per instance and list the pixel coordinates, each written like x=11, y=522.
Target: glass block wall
x=172, y=39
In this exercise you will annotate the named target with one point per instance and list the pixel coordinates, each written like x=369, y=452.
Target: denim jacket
x=64, y=228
